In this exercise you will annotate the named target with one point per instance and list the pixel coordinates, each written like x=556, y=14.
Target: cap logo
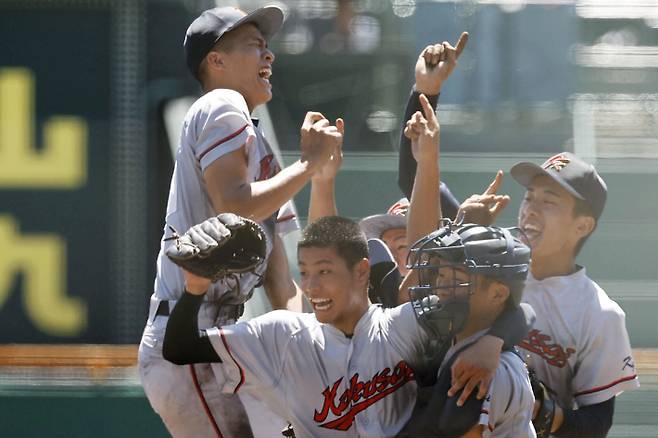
x=556, y=163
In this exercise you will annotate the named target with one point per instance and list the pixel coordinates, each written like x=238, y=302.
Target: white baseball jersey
x=216, y=124
x=507, y=408
x=578, y=346
x=326, y=384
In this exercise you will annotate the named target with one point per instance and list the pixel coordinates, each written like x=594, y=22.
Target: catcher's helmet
x=492, y=252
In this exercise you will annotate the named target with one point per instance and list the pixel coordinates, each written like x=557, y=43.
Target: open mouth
x=531, y=232
x=265, y=73
x=320, y=303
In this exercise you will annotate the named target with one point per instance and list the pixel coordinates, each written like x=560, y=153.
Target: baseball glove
x=219, y=247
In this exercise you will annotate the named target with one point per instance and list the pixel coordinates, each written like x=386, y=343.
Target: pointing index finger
x=428, y=111
x=461, y=43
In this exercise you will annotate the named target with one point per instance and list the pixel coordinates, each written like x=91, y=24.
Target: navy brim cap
x=525, y=172
x=211, y=25
x=577, y=177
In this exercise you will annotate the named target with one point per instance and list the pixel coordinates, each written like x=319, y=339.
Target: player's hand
x=319, y=140
x=475, y=367
x=330, y=169
x=484, y=209
x=424, y=130
x=435, y=64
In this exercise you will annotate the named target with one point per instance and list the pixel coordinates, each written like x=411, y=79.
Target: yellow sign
x=61, y=164
x=41, y=259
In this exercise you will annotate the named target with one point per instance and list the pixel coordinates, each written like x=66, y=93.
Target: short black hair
x=337, y=232
x=582, y=208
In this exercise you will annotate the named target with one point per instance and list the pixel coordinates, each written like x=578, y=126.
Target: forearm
x=183, y=342
x=323, y=200
x=278, y=283
x=260, y=199
x=424, y=208
x=406, y=162
x=592, y=421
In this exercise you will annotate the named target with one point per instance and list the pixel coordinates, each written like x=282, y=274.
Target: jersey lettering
x=628, y=362
x=553, y=353
x=268, y=167
x=348, y=404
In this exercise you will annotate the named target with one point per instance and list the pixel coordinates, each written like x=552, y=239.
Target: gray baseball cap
x=575, y=175
x=208, y=28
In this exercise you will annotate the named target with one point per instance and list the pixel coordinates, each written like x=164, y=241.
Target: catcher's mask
x=449, y=261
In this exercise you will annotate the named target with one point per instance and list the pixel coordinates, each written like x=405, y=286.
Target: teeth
x=320, y=303
x=265, y=73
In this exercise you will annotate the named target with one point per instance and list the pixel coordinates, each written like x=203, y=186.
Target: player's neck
x=475, y=325
x=348, y=324
x=555, y=266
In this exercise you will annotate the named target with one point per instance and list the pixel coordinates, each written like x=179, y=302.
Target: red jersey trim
x=610, y=385
x=286, y=218
x=223, y=140
x=203, y=401
x=221, y=333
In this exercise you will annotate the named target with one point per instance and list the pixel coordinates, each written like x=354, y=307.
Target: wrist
x=428, y=89
x=196, y=289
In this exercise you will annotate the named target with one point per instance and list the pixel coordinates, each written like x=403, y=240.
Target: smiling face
x=547, y=219
x=242, y=62
x=337, y=292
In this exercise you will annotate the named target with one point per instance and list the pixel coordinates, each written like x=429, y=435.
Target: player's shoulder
x=291, y=322
x=218, y=101
x=600, y=301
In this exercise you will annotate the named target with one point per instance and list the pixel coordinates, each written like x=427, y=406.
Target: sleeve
x=593, y=421
x=252, y=352
x=605, y=364
x=507, y=408
x=405, y=334
x=183, y=343
x=406, y=162
x=513, y=324
x=222, y=126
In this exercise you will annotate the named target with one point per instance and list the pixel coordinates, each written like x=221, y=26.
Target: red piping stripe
x=286, y=218
x=223, y=140
x=206, y=408
x=601, y=388
x=221, y=333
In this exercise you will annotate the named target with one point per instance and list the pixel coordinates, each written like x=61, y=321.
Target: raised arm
x=433, y=67
x=323, y=194
x=230, y=190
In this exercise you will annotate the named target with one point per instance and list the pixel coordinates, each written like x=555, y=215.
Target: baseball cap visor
x=525, y=172
x=374, y=226
x=268, y=19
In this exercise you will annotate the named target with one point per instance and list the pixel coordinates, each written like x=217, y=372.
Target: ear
x=214, y=60
x=500, y=292
x=585, y=225
x=362, y=270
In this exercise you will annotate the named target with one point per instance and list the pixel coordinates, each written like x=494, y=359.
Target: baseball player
x=467, y=276
x=476, y=365
x=224, y=163
x=579, y=346
x=345, y=370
